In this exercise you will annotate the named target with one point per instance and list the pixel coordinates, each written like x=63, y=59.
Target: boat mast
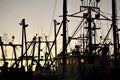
x=90, y=30
x=24, y=40
x=64, y=32
x=90, y=6
x=3, y=54
x=39, y=48
x=115, y=31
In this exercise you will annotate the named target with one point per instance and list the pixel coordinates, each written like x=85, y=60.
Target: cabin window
x=61, y=61
x=71, y=62
x=67, y=61
x=58, y=61
x=82, y=60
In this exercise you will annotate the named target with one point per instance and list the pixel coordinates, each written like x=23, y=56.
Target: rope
x=52, y=17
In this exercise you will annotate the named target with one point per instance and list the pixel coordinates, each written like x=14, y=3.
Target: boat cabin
x=79, y=65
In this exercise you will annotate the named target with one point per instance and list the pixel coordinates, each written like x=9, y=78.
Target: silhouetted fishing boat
x=88, y=60
x=28, y=65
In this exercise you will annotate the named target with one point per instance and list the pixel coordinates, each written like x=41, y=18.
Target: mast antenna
x=5, y=40
x=90, y=6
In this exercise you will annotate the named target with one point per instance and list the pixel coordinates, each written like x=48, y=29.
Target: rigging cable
x=78, y=27
x=52, y=17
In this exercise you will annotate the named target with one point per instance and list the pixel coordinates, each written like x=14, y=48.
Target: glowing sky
x=38, y=14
